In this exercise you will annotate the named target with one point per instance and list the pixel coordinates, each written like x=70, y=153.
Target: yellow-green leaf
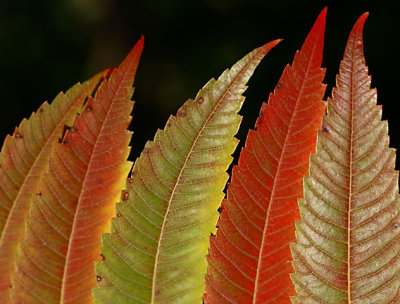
x=158, y=242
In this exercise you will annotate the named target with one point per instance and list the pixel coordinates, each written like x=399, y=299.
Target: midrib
x=83, y=189
x=351, y=124
x=153, y=296
x=278, y=172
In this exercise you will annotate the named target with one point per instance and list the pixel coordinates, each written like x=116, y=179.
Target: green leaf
x=23, y=160
x=348, y=242
x=158, y=242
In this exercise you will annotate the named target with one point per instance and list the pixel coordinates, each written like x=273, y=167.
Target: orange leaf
x=23, y=160
x=76, y=197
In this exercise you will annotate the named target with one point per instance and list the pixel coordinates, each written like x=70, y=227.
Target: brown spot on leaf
x=200, y=100
x=325, y=130
x=124, y=195
x=102, y=257
x=157, y=292
x=395, y=226
x=39, y=193
x=89, y=108
x=119, y=214
x=18, y=135
x=99, y=278
x=130, y=180
x=258, y=122
x=182, y=112
x=279, y=85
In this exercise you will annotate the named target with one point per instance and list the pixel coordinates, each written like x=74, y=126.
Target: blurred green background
x=48, y=45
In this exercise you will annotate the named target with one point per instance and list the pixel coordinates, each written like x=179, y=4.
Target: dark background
x=48, y=45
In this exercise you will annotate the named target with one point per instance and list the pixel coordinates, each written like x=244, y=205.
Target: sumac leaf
x=24, y=159
x=86, y=173
x=159, y=239
x=348, y=242
x=249, y=260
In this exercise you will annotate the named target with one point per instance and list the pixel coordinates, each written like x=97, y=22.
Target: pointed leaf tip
x=359, y=26
x=316, y=37
x=268, y=46
x=355, y=44
x=135, y=54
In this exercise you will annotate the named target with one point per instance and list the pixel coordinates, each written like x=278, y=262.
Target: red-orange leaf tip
x=356, y=34
x=268, y=46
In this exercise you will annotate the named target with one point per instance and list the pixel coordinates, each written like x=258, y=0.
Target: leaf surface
x=249, y=256
x=348, y=243
x=23, y=160
x=158, y=242
x=75, y=200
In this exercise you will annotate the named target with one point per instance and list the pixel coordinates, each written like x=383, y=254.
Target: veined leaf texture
x=348, y=244
x=23, y=160
x=76, y=197
x=159, y=239
x=249, y=260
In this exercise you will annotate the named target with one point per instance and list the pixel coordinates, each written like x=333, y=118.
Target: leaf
x=158, y=242
x=23, y=159
x=348, y=243
x=249, y=257
x=75, y=202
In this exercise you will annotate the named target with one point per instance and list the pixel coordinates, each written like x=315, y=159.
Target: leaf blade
x=248, y=260
x=347, y=242
x=22, y=161
x=86, y=173
x=188, y=160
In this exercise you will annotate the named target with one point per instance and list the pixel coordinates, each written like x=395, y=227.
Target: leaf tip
x=355, y=40
x=316, y=35
x=359, y=25
x=134, y=55
x=268, y=46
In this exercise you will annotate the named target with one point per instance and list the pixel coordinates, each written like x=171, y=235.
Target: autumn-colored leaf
x=249, y=260
x=158, y=242
x=348, y=242
x=75, y=200
x=23, y=159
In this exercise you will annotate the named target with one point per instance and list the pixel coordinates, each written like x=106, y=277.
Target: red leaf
x=249, y=259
